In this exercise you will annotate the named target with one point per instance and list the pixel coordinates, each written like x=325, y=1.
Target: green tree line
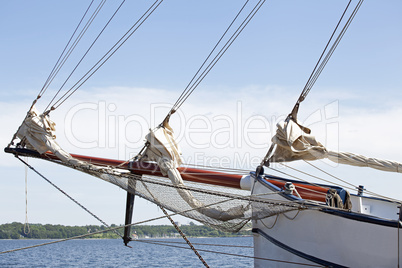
x=16, y=230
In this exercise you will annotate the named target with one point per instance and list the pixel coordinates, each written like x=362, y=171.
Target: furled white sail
x=164, y=150
x=294, y=142
x=38, y=133
x=363, y=161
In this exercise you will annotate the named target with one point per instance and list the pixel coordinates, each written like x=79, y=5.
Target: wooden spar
x=306, y=191
x=188, y=174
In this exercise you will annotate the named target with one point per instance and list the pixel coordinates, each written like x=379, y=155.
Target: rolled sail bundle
x=37, y=132
x=294, y=142
x=163, y=149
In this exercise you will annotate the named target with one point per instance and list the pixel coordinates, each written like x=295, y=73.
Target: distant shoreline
x=15, y=231
x=150, y=238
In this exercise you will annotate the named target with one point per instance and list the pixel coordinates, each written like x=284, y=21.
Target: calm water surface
x=112, y=253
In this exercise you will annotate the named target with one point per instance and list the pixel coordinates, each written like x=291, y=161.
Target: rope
x=353, y=187
x=216, y=45
x=184, y=236
x=328, y=181
x=193, y=84
x=284, y=173
x=230, y=254
x=63, y=192
x=321, y=63
x=313, y=176
x=201, y=244
x=276, y=219
x=304, y=204
x=309, y=83
x=58, y=65
x=253, y=198
x=296, y=205
x=85, y=54
x=26, y=224
x=102, y=231
x=291, y=218
x=73, y=46
x=141, y=178
x=142, y=222
x=107, y=55
x=177, y=227
x=399, y=223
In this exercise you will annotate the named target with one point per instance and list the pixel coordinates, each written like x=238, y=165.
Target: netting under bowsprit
x=236, y=206
x=223, y=208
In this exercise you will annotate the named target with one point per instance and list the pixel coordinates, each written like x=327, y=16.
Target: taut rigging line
x=321, y=63
x=197, y=78
x=64, y=55
x=63, y=192
x=104, y=58
x=82, y=58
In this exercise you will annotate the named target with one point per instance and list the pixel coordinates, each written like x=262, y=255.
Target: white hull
x=333, y=238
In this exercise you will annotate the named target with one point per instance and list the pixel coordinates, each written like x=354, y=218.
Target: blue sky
x=354, y=106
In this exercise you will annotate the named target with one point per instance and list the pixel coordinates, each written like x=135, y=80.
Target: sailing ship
x=294, y=222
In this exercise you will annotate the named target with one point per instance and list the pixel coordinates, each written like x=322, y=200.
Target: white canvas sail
x=163, y=149
x=38, y=132
x=294, y=142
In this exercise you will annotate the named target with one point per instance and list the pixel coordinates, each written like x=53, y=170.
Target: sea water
x=113, y=253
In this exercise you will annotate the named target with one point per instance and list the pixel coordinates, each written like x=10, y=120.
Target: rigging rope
x=183, y=236
x=72, y=47
x=177, y=228
x=249, y=198
x=26, y=224
x=63, y=192
x=167, y=215
x=321, y=63
x=354, y=186
x=85, y=54
x=149, y=220
x=194, y=82
x=59, y=64
x=229, y=254
x=107, y=55
x=216, y=45
x=201, y=244
x=138, y=223
x=62, y=59
x=107, y=230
